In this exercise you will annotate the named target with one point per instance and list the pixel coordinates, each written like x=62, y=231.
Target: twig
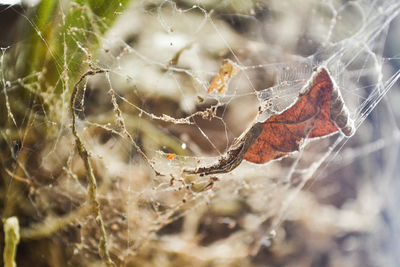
x=92, y=190
x=18, y=178
x=121, y=122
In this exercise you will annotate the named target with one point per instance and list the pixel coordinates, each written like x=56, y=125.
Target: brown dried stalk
x=92, y=190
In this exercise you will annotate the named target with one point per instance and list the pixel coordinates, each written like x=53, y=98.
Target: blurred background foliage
x=160, y=57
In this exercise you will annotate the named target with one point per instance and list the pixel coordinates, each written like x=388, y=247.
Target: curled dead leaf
x=318, y=111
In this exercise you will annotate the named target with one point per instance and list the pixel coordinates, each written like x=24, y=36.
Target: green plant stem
x=11, y=234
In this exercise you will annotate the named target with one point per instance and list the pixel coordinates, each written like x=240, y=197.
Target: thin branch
x=18, y=178
x=121, y=123
x=92, y=190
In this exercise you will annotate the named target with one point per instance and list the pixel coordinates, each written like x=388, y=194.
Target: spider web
x=149, y=113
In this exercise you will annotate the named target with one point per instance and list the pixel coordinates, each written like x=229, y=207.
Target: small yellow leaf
x=227, y=70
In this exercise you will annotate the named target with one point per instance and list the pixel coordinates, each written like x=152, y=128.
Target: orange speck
x=171, y=156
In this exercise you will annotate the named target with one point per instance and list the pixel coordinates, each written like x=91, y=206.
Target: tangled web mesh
x=144, y=113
